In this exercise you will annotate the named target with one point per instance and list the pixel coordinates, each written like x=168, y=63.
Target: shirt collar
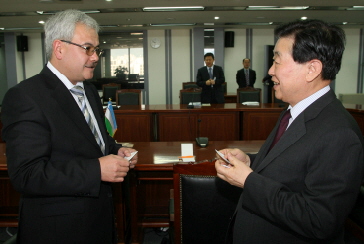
x=302, y=105
x=62, y=77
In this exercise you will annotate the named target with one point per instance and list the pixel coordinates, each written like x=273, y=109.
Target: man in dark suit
x=210, y=78
x=246, y=77
x=301, y=189
x=61, y=168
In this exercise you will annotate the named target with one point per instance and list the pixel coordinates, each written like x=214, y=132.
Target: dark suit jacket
x=53, y=162
x=303, y=189
x=215, y=93
x=241, y=80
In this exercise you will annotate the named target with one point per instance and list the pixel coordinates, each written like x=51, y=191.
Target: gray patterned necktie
x=79, y=92
x=210, y=72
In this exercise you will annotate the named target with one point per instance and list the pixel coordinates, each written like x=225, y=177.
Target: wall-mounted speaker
x=22, y=43
x=229, y=38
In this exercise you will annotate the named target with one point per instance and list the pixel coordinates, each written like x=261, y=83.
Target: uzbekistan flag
x=110, y=120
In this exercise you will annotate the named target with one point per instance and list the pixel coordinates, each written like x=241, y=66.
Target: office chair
x=248, y=94
x=203, y=204
x=190, y=95
x=109, y=91
x=128, y=97
x=133, y=77
x=187, y=85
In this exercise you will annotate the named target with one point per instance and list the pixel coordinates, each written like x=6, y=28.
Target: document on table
x=251, y=103
x=187, y=152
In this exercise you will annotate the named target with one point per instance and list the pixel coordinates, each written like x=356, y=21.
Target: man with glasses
x=246, y=76
x=59, y=155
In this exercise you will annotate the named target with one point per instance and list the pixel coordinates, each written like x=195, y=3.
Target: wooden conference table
x=143, y=199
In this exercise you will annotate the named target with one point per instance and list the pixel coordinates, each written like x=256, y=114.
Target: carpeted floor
x=156, y=236
x=151, y=235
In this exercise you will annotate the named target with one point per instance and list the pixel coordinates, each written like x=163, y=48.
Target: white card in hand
x=223, y=157
x=131, y=156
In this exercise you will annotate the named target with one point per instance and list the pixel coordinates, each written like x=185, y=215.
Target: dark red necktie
x=282, y=127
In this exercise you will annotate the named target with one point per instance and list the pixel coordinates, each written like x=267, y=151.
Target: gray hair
x=61, y=26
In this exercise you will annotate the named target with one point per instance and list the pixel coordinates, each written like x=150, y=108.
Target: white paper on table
x=187, y=152
x=251, y=103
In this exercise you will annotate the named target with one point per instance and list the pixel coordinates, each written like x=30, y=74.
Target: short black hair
x=209, y=55
x=316, y=39
x=247, y=59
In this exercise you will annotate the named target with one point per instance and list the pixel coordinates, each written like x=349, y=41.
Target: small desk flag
x=110, y=120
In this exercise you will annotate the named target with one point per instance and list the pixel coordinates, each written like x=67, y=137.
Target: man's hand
x=210, y=82
x=113, y=168
x=125, y=152
x=238, y=171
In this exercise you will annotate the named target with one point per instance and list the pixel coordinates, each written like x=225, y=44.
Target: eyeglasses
x=90, y=50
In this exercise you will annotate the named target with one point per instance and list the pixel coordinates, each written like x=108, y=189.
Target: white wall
x=33, y=57
x=261, y=38
x=181, y=59
x=19, y=66
x=346, y=79
x=234, y=58
x=3, y=78
x=157, y=70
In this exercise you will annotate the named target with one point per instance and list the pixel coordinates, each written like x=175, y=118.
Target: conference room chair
x=351, y=98
x=133, y=77
x=203, y=204
x=248, y=94
x=187, y=85
x=128, y=97
x=109, y=91
x=190, y=95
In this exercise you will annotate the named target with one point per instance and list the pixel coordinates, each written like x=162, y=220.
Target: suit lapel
x=294, y=132
x=68, y=104
x=207, y=72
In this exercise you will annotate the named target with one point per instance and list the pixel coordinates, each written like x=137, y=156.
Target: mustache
x=93, y=65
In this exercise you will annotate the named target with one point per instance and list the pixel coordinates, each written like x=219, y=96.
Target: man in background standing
x=210, y=78
x=246, y=77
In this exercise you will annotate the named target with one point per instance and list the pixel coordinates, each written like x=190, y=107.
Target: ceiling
x=120, y=17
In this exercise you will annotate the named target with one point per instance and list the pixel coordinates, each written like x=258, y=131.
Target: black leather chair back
x=248, y=95
x=207, y=204
x=128, y=97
